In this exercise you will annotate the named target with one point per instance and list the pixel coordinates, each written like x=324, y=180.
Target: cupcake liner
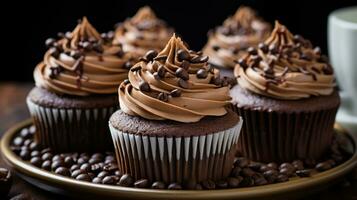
x=176, y=159
x=72, y=129
x=281, y=137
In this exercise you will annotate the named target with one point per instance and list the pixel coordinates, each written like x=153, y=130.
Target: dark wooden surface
x=13, y=109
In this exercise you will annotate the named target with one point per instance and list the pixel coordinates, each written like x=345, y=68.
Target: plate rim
x=115, y=191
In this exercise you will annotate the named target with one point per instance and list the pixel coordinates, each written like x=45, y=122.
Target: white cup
x=342, y=47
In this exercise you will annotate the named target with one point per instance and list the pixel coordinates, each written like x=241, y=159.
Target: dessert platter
x=136, y=114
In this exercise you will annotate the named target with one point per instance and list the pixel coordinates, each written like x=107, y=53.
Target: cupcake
x=173, y=125
x=287, y=96
x=230, y=41
x=75, y=93
x=142, y=33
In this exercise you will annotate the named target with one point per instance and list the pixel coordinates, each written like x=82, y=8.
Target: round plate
x=296, y=187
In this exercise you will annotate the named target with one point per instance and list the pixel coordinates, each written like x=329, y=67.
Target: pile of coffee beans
x=101, y=168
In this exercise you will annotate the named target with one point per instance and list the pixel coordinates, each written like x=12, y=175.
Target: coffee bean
x=255, y=166
x=46, y=165
x=182, y=83
x=97, y=180
x=202, y=73
x=233, y=182
x=265, y=168
x=35, y=153
x=27, y=142
x=150, y=55
x=208, y=184
x=62, y=171
x=263, y=47
x=174, y=186
x=144, y=86
x=282, y=178
x=86, y=167
x=103, y=174
x=222, y=184
x=323, y=166
x=247, y=172
x=68, y=161
x=25, y=154
x=182, y=55
x=142, y=183
x=161, y=71
x=252, y=51
x=287, y=171
x=163, y=97
x=271, y=175
x=185, y=65
x=286, y=165
x=108, y=180
x=94, y=160
x=241, y=162
x=298, y=164
x=247, y=181
x=56, y=164
x=158, y=185
x=74, y=167
x=84, y=177
x=303, y=173
x=36, y=161
x=97, y=167
x=47, y=156
x=25, y=133
x=181, y=73
x=57, y=158
x=77, y=172
x=135, y=68
x=175, y=93
x=110, y=167
x=18, y=141
x=126, y=180
x=34, y=146
x=236, y=171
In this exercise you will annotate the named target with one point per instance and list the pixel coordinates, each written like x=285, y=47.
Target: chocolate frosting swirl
x=238, y=32
x=143, y=32
x=176, y=84
x=82, y=63
x=285, y=67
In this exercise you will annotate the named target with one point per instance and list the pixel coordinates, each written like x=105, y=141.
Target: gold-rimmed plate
x=296, y=187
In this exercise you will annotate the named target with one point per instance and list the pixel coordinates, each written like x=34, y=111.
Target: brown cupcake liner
x=280, y=137
x=72, y=129
x=176, y=159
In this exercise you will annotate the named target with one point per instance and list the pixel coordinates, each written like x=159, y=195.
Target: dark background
x=26, y=25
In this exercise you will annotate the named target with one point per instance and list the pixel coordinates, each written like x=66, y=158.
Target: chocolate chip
x=185, y=65
x=126, y=180
x=323, y=166
x=36, y=161
x=62, y=171
x=135, y=68
x=183, y=55
x=150, y=55
x=108, y=180
x=84, y=177
x=252, y=51
x=263, y=47
x=158, y=185
x=327, y=69
x=181, y=73
x=202, y=73
x=303, y=173
x=142, y=183
x=175, y=93
x=120, y=53
x=282, y=178
x=49, y=42
x=182, y=83
x=46, y=165
x=54, y=52
x=156, y=76
x=163, y=96
x=233, y=182
x=242, y=63
x=126, y=81
x=161, y=71
x=174, y=186
x=144, y=86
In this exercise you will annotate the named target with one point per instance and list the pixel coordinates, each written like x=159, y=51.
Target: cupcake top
x=143, y=32
x=285, y=67
x=82, y=63
x=238, y=32
x=176, y=84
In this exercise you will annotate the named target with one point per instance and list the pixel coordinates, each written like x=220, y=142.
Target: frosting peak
x=285, y=67
x=142, y=32
x=82, y=62
x=229, y=41
x=175, y=84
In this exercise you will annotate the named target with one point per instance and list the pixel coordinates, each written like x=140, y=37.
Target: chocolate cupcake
x=287, y=97
x=230, y=41
x=75, y=90
x=173, y=125
x=142, y=33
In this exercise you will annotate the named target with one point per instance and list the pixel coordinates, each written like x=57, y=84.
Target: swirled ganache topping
x=238, y=32
x=82, y=62
x=142, y=32
x=285, y=67
x=176, y=84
